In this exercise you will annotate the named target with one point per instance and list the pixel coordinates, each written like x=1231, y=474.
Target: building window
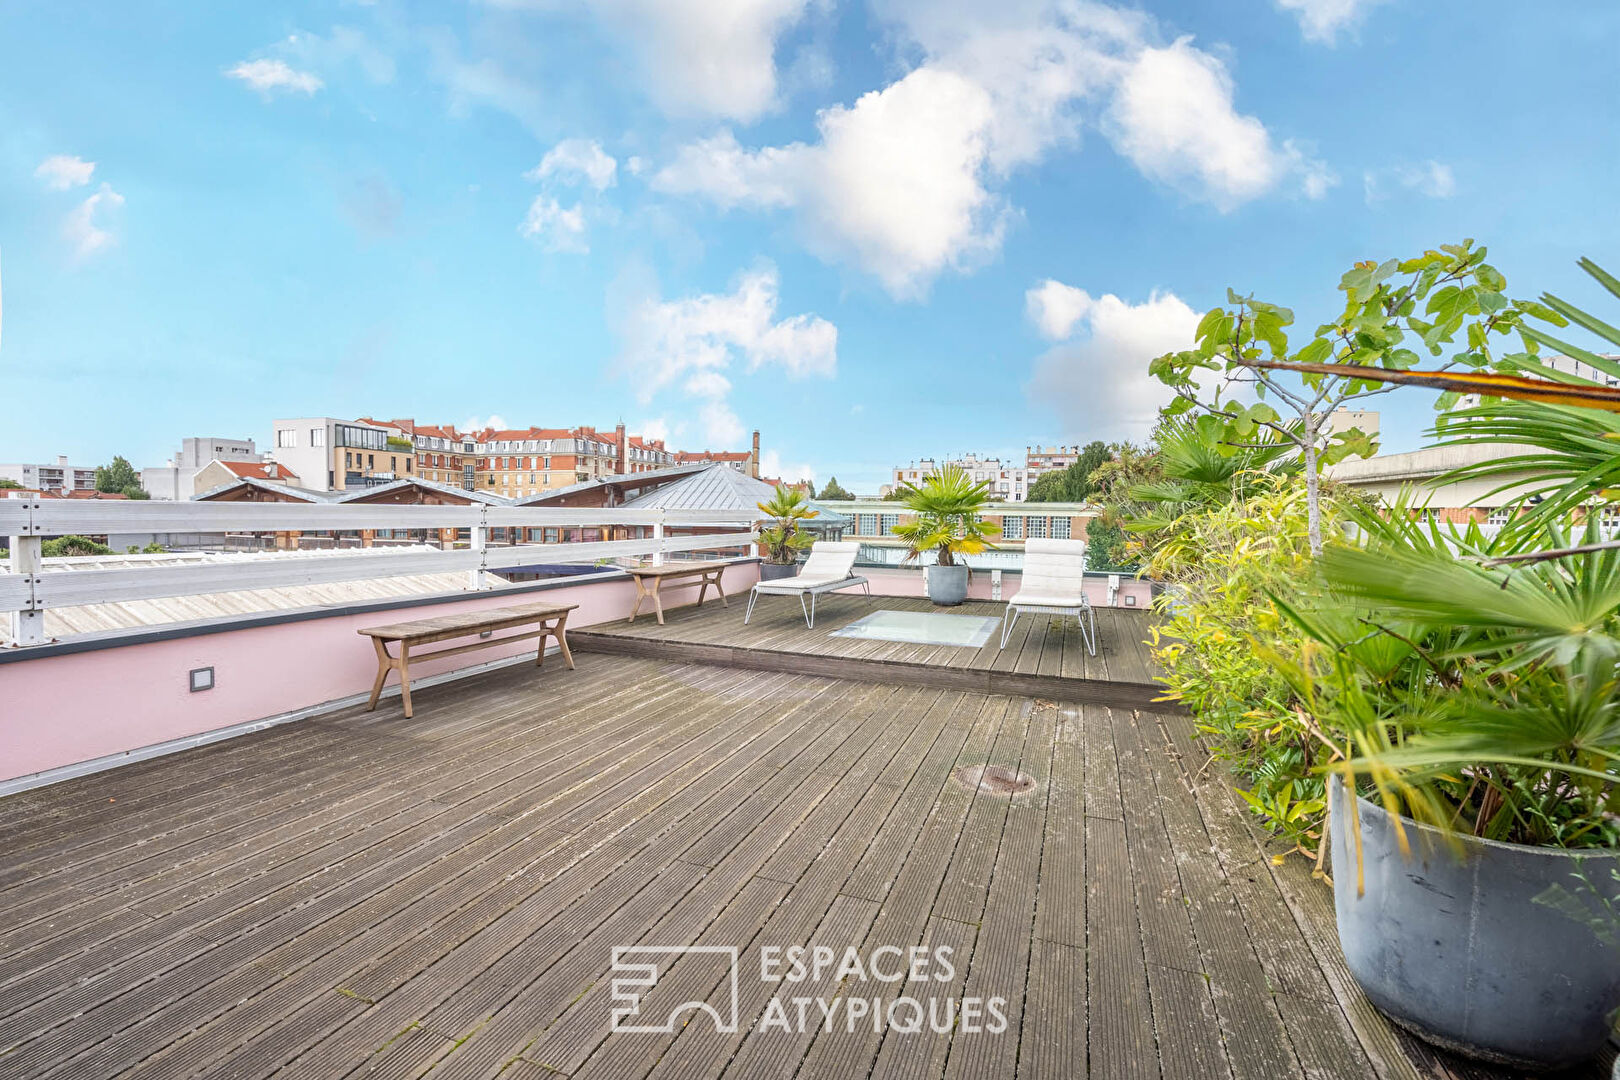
x=1060, y=528
x=887, y=522
x=317, y=436
x=1036, y=527
x=286, y=438
x=1012, y=528
x=1501, y=515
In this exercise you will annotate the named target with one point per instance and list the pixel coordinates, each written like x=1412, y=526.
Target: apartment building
x=442, y=454
x=329, y=454
x=1045, y=459
x=58, y=478
x=177, y=477
x=1008, y=482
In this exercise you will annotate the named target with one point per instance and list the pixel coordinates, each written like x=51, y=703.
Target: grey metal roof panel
x=253, y=481
x=488, y=497
x=720, y=487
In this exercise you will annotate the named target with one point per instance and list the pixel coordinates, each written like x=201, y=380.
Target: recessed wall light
x=202, y=679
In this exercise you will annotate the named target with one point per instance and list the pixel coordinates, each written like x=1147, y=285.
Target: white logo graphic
x=632, y=979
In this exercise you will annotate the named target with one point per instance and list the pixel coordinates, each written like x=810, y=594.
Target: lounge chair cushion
x=803, y=583
x=1042, y=598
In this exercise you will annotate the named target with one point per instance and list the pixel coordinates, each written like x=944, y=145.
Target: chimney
x=753, y=458
x=624, y=449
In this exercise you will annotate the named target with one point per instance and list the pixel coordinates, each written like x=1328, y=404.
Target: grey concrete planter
x=947, y=585
x=773, y=571
x=1458, y=950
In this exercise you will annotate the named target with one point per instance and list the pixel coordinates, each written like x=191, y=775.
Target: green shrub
x=72, y=546
x=1220, y=565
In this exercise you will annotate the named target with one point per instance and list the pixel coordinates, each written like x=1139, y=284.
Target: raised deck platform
x=1045, y=657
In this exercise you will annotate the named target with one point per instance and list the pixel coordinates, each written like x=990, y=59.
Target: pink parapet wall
x=981, y=586
x=57, y=711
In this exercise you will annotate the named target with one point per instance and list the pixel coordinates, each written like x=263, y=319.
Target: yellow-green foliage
x=1219, y=564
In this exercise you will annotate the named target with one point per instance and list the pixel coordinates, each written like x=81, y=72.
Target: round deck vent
x=994, y=780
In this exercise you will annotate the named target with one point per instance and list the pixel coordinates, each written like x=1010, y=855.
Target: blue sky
x=833, y=220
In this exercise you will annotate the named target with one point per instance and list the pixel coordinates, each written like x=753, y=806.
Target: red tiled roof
x=261, y=470
x=77, y=493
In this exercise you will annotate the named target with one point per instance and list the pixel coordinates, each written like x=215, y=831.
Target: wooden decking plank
x=1121, y=1033
x=921, y=1055
x=1052, y=1040
x=694, y=977
x=904, y=873
x=1001, y=956
x=1256, y=1043
x=775, y=1052
x=1060, y=911
x=962, y=894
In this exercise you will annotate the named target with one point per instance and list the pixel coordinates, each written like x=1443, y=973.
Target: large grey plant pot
x=773, y=571
x=1457, y=949
x=947, y=585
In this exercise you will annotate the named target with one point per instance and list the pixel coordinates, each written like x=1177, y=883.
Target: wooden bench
x=707, y=572
x=552, y=620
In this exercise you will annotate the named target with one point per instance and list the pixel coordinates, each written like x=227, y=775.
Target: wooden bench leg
x=384, y=664
x=721, y=589
x=560, y=632
x=658, y=603
x=405, y=676
x=641, y=591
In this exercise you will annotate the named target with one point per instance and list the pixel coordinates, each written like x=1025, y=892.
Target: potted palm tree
x=781, y=538
x=1470, y=686
x=945, y=521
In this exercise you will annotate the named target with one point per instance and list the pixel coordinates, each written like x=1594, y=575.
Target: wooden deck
x=367, y=895
x=1045, y=657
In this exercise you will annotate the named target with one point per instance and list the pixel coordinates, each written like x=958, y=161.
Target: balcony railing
x=28, y=590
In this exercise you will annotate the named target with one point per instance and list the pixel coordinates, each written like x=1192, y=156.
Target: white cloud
x=1174, y=118
x=495, y=421
x=63, y=171
x=773, y=467
x=343, y=45
x=1431, y=179
x=689, y=346
x=1321, y=20
x=656, y=429
x=83, y=228
x=269, y=75
x=1055, y=307
x=904, y=183
x=556, y=227
x=705, y=58
x=575, y=159
x=1098, y=383
x=893, y=185
x=721, y=428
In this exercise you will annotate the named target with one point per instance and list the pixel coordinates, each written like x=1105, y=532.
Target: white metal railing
x=28, y=590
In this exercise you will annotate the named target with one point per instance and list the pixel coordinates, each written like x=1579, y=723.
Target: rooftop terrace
x=359, y=894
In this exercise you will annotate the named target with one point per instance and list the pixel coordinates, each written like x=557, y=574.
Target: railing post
x=658, y=537
x=480, y=542
x=28, y=625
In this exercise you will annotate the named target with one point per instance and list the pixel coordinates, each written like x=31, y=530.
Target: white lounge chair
x=830, y=567
x=1054, y=584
